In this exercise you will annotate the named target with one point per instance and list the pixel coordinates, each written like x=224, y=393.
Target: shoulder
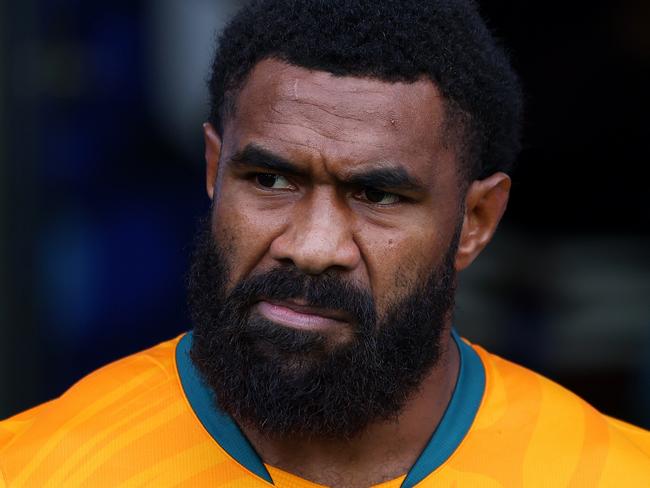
x=134, y=376
x=116, y=397
x=135, y=373
x=550, y=431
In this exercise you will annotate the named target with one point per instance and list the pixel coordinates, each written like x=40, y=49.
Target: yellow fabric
x=130, y=425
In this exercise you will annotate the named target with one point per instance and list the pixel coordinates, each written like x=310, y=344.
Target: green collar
x=451, y=430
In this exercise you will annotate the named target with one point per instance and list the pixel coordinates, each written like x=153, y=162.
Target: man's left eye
x=379, y=197
x=269, y=180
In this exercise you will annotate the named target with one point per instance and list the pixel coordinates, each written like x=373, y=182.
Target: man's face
x=377, y=198
x=326, y=277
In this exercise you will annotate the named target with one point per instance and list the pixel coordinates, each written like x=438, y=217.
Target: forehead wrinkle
x=330, y=112
x=329, y=138
x=296, y=143
x=302, y=127
x=344, y=101
x=372, y=113
x=330, y=129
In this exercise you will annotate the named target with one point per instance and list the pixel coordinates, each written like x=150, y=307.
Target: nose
x=318, y=237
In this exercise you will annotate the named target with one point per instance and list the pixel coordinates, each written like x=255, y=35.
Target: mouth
x=299, y=315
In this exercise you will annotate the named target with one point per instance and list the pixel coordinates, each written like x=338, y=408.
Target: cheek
x=398, y=263
x=244, y=233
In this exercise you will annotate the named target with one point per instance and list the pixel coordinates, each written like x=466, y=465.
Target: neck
x=353, y=462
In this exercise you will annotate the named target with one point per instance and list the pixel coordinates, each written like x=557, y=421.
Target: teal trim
x=458, y=416
x=451, y=430
x=220, y=425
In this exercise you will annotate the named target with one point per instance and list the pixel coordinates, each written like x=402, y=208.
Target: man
x=357, y=158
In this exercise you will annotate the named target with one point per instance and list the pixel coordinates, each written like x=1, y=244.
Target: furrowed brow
x=255, y=157
x=392, y=178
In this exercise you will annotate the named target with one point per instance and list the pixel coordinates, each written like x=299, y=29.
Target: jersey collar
x=451, y=430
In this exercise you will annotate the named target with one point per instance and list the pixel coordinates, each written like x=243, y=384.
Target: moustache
x=326, y=291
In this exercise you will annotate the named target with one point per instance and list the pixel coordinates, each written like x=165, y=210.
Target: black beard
x=282, y=381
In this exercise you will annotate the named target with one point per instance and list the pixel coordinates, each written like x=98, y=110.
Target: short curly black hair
x=391, y=40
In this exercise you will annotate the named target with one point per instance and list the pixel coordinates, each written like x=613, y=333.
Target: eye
x=379, y=197
x=272, y=181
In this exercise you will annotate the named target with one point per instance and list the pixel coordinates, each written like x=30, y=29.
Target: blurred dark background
x=101, y=186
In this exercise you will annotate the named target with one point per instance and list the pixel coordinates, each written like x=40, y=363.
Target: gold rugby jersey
x=149, y=421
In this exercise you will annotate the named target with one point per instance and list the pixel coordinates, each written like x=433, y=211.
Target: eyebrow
x=253, y=156
x=389, y=176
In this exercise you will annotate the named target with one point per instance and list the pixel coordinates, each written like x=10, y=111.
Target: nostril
x=286, y=261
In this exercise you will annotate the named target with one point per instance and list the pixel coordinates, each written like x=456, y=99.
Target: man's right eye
x=272, y=181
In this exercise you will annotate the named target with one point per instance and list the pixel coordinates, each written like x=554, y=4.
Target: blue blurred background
x=101, y=186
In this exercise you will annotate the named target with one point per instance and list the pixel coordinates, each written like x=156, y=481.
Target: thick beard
x=281, y=381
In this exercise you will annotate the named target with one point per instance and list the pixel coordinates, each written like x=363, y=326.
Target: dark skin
x=355, y=176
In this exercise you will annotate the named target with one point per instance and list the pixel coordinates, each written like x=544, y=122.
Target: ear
x=212, y=154
x=485, y=203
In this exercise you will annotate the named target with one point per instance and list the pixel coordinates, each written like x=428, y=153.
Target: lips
x=297, y=314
